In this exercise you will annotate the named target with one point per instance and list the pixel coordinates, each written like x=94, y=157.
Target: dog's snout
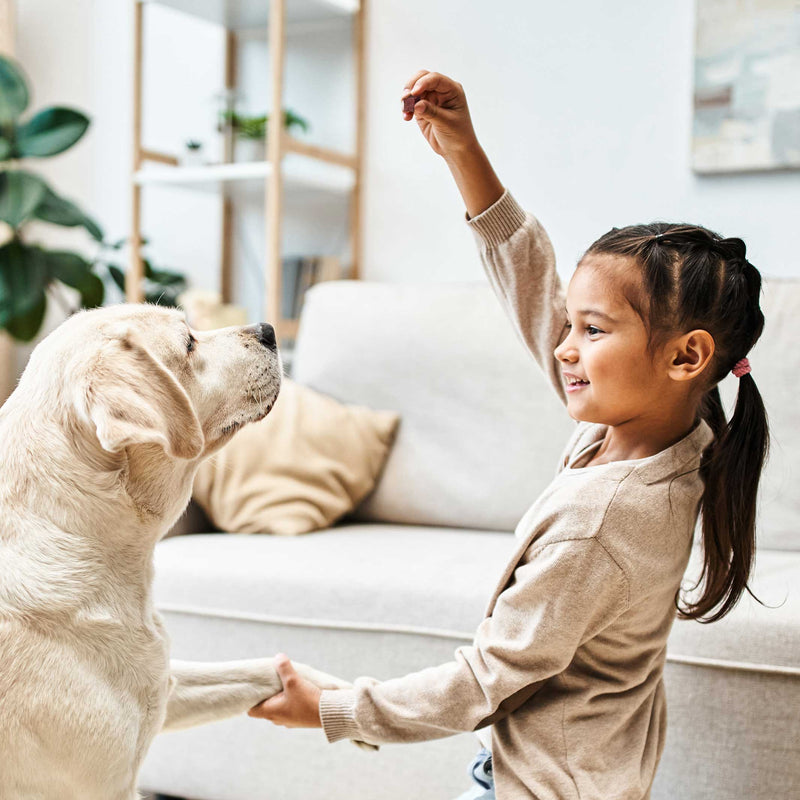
x=265, y=334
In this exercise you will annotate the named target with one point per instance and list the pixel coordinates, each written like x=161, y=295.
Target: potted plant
x=193, y=153
x=251, y=132
x=29, y=272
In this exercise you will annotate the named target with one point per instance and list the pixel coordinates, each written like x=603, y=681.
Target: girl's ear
x=690, y=355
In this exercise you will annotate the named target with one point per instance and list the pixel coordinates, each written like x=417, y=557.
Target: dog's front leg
x=205, y=692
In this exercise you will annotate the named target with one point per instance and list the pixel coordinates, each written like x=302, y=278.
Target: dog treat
x=409, y=103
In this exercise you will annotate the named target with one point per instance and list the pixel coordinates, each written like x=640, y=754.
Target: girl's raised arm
x=515, y=249
x=439, y=106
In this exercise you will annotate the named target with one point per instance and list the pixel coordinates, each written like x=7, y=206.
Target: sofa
x=401, y=582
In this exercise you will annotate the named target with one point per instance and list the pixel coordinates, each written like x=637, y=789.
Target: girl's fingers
x=407, y=88
x=445, y=118
x=434, y=82
x=264, y=710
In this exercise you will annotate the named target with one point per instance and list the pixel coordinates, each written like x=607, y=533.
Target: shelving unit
x=319, y=176
x=289, y=164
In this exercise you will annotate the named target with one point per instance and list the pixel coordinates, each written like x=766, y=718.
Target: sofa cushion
x=751, y=636
x=481, y=429
x=431, y=581
x=311, y=461
x=387, y=576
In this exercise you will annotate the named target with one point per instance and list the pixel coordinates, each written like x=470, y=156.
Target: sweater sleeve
x=520, y=263
x=561, y=595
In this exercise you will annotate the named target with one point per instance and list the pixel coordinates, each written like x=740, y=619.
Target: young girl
x=567, y=666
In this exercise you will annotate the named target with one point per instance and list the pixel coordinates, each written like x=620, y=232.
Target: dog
x=99, y=444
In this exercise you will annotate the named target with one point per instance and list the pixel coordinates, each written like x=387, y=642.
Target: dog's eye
x=191, y=343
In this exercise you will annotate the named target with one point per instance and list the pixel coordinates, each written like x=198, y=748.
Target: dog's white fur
x=99, y=445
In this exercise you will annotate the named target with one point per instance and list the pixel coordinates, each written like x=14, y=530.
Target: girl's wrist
x=477, y=181
x=460, y=154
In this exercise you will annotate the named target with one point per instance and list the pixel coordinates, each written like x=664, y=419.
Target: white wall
x=585, y=110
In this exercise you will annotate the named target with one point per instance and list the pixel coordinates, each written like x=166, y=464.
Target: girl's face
x=606, y=347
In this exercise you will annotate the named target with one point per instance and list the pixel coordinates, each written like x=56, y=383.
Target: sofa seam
x=300, y=622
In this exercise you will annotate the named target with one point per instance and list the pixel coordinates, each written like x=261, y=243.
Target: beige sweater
x=567, y=664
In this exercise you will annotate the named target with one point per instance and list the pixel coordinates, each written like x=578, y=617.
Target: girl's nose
x=565, y=351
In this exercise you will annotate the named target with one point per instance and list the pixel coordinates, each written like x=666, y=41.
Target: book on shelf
x=299, y=274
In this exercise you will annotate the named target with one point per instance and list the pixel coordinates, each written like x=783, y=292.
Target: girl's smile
x=574, y=383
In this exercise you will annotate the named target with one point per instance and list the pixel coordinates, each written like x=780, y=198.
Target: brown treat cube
x=409, y=103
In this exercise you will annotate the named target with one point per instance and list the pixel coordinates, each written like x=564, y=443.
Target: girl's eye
x=589, y=328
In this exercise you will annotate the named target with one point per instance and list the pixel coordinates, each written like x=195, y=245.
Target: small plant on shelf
x=247, y=127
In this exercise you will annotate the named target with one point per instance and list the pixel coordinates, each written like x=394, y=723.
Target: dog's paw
x=321, y=679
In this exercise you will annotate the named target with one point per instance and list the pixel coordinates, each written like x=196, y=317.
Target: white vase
x=250, y=150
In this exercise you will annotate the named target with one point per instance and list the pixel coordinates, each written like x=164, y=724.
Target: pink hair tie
x=741, y=368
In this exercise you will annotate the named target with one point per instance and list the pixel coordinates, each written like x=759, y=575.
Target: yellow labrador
x=98, y=448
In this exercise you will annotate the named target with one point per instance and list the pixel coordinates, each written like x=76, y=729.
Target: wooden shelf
x=298, y=173
x=305, y=169
x=243, y=14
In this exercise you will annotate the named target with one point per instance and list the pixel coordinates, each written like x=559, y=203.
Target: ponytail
x=731, y=467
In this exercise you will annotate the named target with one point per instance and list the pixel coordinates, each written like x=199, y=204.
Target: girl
x=563, y=682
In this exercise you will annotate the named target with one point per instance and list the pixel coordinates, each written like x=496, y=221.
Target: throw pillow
x=308, y=463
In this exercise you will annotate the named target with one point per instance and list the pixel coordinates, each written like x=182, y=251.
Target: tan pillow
x=300, y=469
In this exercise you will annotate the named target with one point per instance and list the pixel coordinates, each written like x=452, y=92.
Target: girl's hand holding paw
x=297, y=706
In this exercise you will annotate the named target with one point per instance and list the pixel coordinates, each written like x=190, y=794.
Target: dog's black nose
x=266, y=335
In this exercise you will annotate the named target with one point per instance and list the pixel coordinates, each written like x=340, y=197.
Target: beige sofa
x=402, y=583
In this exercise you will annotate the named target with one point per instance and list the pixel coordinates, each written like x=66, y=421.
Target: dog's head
x=137, y=374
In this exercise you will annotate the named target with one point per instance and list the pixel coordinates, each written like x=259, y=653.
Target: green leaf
x=23, y=278
x=291, y=119
x=61, y=211
x=166, y=278
x=25, y=326
x=75, y=271
x=13, y=91
x=51, y=131
x=117, y=275
x=5, y=149
x=20, y=194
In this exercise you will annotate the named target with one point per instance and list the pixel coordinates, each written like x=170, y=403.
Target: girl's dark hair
x=693, y=278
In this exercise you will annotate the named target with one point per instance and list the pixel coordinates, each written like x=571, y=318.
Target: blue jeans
x=480, y=770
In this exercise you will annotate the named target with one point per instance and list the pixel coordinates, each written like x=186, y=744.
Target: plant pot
x=250, y=150
x=193, y=158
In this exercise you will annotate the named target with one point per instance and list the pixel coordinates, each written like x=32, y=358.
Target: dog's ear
x=132, y=398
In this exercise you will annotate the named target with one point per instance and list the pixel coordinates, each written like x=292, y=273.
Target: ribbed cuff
x=499, y=222
x=336, y=710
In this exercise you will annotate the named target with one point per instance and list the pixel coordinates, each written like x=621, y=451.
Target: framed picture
x=746, y=86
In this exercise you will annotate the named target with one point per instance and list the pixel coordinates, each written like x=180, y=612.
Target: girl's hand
x=441, y=113
x=297, y=706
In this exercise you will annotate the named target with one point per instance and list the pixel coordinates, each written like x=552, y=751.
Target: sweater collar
x=684, y=455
